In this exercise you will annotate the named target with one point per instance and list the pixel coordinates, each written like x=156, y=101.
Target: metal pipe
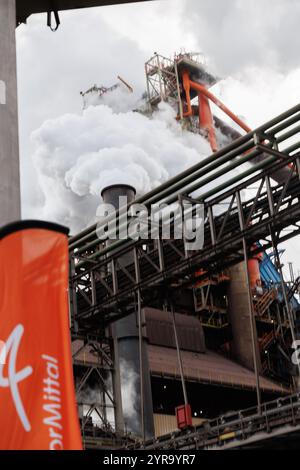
x=187, y=189
x=187, y=87
x=243, y=160
x=251, y=310
x=209, y=95
x=288, y=134
x=213, y=191
x=221, y=172
x=191, y=188
x=232, y=181
x=284, y=124
x=293, y=147
x=253, y=327
x=241, y=140
x=206, y=120
x=236, y=178
x=292, y=275
x=189, y=174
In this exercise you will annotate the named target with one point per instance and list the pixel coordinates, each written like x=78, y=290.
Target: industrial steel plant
x=173, y=346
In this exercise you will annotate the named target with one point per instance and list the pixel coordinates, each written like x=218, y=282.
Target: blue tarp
x=271, y=277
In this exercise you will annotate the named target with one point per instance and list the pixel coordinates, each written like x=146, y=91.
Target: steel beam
x=165, y=263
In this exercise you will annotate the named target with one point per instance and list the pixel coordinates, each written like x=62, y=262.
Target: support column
x=241, y=312
x=132, y=375
x=132, y=350
x=9, y=146
x=240, y=317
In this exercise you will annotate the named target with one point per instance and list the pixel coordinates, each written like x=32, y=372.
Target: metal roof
x=209, y=368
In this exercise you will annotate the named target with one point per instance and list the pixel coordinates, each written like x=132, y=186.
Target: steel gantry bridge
x=250, y=191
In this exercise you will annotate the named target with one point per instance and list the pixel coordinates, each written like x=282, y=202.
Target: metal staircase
x=265, y=301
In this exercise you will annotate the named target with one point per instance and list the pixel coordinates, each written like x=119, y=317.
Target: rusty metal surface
x=209, y=368
x=240, y=316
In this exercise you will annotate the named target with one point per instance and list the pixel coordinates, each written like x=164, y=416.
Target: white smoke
x=129, y=380
x=76, y=156
x=91, y=396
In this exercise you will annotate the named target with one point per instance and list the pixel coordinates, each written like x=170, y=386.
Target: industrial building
x=175, y=348
x=210, y=329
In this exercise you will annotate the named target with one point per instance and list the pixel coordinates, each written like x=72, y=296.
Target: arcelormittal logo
x=10, y=353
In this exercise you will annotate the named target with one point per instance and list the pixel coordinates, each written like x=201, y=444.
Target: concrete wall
x=239, y=316
x=9, y=148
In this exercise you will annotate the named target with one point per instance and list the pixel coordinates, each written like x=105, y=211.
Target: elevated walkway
x=276, y=425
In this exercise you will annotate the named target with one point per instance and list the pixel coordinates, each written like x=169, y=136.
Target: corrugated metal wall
x=160, y=330
x=164, y=424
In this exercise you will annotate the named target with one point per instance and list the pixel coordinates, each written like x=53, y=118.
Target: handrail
x=237, y=425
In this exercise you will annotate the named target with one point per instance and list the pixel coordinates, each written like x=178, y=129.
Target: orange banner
x=37, y=397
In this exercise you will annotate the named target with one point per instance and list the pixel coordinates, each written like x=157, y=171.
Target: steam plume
x=76, y=156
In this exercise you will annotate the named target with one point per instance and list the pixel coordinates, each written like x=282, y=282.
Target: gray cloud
x=236, y=34
x=54, y=67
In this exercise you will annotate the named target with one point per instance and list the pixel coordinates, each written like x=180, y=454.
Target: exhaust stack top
x=111, y=194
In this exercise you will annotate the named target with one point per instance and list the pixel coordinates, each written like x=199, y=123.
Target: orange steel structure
x=206, y=120
x=205, y=114
x=182, y=74
x=207, y=124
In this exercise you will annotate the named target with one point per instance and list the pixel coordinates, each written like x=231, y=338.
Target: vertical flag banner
x=37, y=396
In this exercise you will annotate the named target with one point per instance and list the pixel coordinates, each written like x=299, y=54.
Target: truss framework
x=239, y=212
x=166, y=263
x=93, y=365
x=239, y=429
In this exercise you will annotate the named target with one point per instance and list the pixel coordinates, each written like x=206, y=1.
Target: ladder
x=265, y=301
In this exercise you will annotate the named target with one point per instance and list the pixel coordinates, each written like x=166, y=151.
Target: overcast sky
x=253, y=46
